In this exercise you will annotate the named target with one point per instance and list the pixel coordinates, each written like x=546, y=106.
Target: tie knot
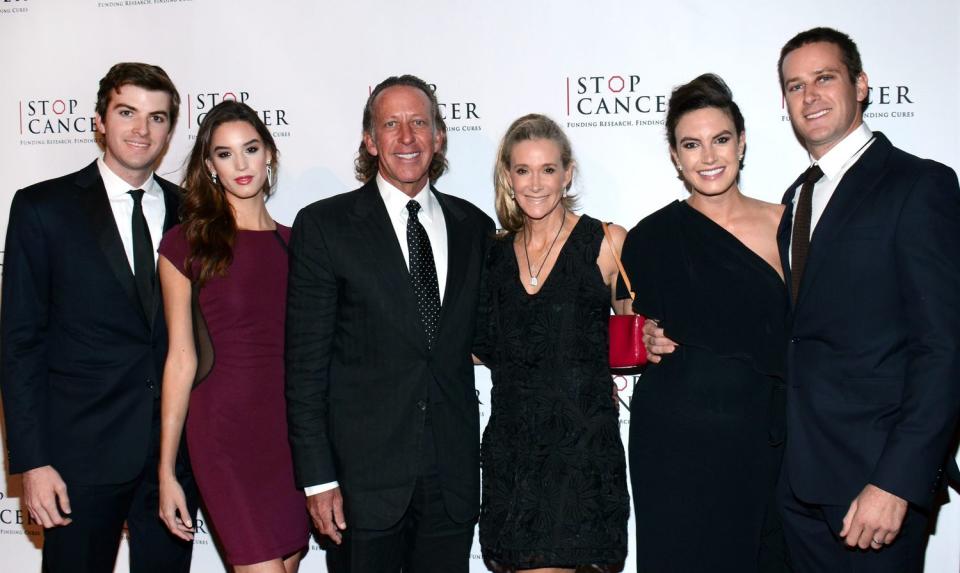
x=137, y=195
x=814, y=173
x=413, y=208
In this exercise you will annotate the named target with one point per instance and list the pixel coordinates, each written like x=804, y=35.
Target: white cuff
x=315, y=489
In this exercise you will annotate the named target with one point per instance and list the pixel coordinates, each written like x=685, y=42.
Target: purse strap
x=616, y=257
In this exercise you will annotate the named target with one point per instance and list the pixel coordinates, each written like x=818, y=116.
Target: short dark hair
x=707, y=90
x=848, y=52
x=146, y=76
x=366, y=165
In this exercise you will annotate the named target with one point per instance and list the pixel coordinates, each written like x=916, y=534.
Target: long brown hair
x=207, y=218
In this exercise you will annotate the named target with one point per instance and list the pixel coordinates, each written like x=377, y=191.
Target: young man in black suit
x=84, y=339
x=383, y=288
x=873, y=247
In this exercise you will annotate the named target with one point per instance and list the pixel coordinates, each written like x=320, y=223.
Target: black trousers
x=425, y=540
x=813, y=539
x=90, y=543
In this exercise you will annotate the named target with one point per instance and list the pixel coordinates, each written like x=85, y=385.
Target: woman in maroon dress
x=236, y=429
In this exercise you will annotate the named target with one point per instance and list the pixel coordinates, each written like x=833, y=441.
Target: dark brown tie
x=801, y=228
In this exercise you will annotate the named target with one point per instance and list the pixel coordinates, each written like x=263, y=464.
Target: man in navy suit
x=870, y=244
x=83, y=339
x=873, y=245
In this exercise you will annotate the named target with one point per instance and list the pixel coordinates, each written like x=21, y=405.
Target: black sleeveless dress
x=554, y=474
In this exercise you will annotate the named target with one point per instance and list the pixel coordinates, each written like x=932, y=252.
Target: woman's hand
x=173, y=509
x=655, y=341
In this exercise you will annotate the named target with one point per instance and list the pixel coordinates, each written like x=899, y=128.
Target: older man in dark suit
x=83, y=338
x=383, y=288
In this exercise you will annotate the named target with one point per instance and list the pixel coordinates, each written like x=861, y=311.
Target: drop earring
x=269, y=172
x=213, y=176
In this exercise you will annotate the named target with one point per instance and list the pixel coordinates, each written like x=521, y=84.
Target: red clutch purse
x=626, y=341
x=626, y=330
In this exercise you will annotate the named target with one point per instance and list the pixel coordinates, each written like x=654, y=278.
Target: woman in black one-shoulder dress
x=707, y=422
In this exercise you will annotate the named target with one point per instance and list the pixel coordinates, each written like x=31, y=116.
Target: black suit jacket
x=360, y=378
x=81, y=363
x=874, y=358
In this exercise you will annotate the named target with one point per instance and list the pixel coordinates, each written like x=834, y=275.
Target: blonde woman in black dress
x=554, y=474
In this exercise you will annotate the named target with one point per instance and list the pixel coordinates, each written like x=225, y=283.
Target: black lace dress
x=554, y=473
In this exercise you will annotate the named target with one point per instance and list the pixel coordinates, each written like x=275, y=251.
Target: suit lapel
x=171, y=200
x=858, y=182
x=784, y=235
x=458, y=249
x=96, y=205
x=389, y=266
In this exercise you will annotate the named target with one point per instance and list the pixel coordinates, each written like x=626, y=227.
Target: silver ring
x=877, y=542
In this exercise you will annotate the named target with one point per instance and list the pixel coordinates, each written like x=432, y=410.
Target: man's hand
x=655, y=341
x=326, y=509
x=43, y=490
x=874, y=519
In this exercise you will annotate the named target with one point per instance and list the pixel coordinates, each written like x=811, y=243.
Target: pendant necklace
x=534, y=281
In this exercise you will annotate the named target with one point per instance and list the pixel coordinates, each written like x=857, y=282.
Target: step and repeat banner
x=603, y=70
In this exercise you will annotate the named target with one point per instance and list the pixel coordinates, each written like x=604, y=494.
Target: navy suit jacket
x=874, y=357
x=81, y=362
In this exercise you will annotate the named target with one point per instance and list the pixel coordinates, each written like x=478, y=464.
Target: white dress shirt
x=835, y=164
x=121, y=203
x=431, y=217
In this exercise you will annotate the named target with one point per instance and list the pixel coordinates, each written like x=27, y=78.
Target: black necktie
x=144, y=267
x=801, y=227
x=423, y=273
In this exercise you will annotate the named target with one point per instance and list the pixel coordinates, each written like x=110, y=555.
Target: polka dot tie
x=423, y=273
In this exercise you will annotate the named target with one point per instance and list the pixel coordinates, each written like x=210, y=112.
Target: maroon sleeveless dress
x=236, y=427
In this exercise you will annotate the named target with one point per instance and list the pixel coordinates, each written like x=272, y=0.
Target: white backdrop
x=604, y=70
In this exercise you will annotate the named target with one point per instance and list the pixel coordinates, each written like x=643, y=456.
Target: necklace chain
x=534, y=280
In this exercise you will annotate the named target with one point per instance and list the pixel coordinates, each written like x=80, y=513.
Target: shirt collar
x=116, y=187
x=833, y=161
x=396, y=200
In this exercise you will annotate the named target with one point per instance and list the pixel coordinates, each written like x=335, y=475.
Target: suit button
x=150, y=383
x=794, y=340
x=422, y=405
